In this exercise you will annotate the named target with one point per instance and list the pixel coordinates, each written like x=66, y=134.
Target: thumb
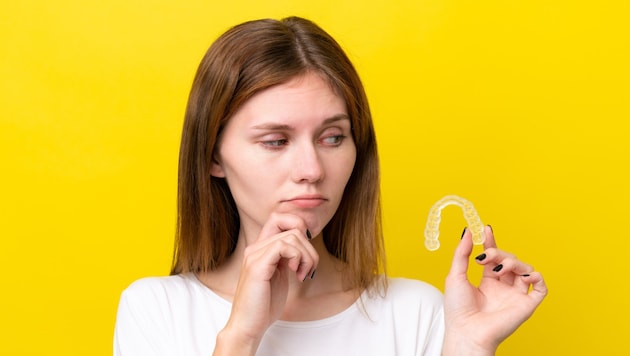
x=459, y=266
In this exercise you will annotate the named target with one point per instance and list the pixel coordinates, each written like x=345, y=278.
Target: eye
x=275, y=144
x=334, y=140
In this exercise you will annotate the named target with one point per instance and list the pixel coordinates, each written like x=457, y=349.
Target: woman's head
x=243, y=62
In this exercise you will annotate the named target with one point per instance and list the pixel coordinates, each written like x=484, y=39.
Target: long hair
x=245, y=60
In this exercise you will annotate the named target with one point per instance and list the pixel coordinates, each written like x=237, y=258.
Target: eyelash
x=277, y=144
x=338, y=139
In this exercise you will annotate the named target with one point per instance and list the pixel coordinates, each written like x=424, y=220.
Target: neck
x=312, y=299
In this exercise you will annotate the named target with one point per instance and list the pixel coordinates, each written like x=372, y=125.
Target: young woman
x=279, y=248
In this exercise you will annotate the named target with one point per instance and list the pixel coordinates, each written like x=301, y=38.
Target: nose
x=307, y=164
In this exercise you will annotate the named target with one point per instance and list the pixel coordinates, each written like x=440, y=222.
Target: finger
x=501, y=265
x=539, y=287
x=308, y=259
x=278, y=223
x=288, y=250
x=509, y=269
x=297, y=238
x=489, y=241
x=489, y=245
x=522, y=283
x=459, y=266
x=509, y=263
x=290, y=229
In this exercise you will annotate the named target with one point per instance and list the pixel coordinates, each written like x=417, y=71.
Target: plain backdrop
x=521, y=107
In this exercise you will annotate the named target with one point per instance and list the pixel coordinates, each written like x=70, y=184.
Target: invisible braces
x=431, y=231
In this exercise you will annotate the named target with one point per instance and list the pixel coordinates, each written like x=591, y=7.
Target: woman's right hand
x=281, y=251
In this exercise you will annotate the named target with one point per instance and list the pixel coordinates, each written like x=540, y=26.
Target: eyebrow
x=284, y=127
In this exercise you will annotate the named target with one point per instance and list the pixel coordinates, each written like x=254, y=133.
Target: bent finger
x=279, y=222
x=285, y=251
x=539, y=287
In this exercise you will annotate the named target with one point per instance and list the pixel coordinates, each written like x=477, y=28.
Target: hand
x=282, y=251
x=479, y=318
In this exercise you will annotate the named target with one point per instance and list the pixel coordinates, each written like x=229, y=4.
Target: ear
x=216, y=170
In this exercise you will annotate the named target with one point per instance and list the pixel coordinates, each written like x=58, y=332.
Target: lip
x=307, y=201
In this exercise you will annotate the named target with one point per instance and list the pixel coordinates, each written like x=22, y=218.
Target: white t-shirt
x=178, y=315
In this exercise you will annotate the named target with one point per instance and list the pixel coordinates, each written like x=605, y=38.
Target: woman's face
x=288, y=149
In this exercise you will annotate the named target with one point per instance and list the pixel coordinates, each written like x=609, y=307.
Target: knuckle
x=248, y=252
x=491, y=251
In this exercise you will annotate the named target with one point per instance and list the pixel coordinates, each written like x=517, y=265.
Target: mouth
x=306, y=201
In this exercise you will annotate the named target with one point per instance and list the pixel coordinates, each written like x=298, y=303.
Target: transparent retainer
x=432, y=230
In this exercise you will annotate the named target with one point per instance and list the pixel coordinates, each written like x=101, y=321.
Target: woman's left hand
x=479, y=318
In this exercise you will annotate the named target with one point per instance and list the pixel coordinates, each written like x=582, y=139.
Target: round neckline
x=207, y=290
x=284, y=323
x=312, y=324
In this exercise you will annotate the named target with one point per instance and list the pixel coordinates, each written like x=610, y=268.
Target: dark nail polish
x=525, y=275
x=498, y=268
x=481, y=257
x=463, y=232
x=313, y=274
x=308, y=234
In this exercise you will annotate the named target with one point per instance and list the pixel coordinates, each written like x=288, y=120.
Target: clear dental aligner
x=432, y=230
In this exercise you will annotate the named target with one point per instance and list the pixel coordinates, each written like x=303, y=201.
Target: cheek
x=351, y=161
x=345, y=167
x=253, y=181
x=247, y=179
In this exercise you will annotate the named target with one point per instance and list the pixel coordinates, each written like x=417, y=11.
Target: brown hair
x=248, y=58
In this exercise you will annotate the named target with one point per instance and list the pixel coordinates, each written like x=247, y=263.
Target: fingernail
x=463, y=232
x=491, y=229
x=497, y=268
x=308, y=234
x=525, y=275
x=313, y=274
x=481, y=257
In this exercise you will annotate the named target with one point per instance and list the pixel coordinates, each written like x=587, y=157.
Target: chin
x=316, y=225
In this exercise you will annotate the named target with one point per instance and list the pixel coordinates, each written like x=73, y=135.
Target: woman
x=279, y=248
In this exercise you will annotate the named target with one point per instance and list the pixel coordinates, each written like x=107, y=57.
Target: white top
x=178, y=315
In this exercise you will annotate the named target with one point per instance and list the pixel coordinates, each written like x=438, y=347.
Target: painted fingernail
x=481, y=257
x=463, y=232
x=313, y=274
x=498, y=268
x=525, y=275
x=308, y=234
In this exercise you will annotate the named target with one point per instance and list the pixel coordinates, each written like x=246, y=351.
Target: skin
x=479, y=318
x=287, y=150
x=287, y=155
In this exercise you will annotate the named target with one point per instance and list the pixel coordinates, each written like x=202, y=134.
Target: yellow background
x=519, y=106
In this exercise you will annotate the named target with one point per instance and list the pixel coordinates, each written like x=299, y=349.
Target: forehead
x=306, y=97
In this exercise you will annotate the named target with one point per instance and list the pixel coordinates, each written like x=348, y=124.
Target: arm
x=478, y=319
x=281, y=251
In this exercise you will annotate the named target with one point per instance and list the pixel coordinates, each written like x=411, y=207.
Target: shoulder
x=409, y=296
x=156, y=284
x=417, y=309
x=151, y=312
x=405, y=288
x=160, y=289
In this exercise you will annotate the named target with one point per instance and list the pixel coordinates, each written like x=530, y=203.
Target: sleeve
x=418, y=310
x=142, y=325
x=435, y=336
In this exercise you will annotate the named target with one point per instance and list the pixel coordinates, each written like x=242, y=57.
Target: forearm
x=229, y=344
x=460, y=346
